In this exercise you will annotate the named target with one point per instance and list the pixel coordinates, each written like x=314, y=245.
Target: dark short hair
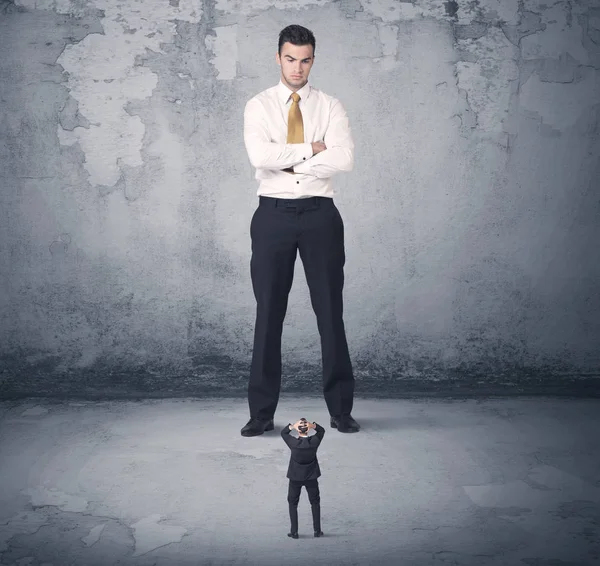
x=296, y=35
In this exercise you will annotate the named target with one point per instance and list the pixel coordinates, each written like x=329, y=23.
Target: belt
x=294, y=203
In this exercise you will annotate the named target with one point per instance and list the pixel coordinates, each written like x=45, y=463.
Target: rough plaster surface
x=471, y=216
x=467, y=483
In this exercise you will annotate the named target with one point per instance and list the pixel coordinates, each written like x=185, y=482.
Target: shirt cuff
x=303, y=167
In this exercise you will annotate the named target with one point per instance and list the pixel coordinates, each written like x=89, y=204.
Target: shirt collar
x=283, y=92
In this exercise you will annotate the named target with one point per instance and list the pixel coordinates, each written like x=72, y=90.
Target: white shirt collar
x=284, y=92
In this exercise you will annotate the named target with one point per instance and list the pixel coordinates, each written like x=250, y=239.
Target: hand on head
x=303, y=423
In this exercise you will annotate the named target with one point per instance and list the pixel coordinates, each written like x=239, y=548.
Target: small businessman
x=304, y=470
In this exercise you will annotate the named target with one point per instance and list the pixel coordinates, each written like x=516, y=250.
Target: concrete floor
x=172, y=482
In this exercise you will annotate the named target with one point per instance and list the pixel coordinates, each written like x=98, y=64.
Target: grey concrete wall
x=471, y=217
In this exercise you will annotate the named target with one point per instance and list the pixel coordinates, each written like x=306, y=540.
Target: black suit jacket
x=303, y=459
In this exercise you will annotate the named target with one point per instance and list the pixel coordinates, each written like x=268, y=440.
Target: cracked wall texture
x=471, y=216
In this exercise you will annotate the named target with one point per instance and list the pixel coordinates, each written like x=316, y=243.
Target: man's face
x=296, y=62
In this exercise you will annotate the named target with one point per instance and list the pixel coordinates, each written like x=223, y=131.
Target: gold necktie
x=295, y=123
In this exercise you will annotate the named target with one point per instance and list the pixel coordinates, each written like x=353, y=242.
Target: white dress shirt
x=265, y=136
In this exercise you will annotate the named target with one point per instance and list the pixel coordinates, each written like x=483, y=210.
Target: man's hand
x=318, y=147
x=303, y=422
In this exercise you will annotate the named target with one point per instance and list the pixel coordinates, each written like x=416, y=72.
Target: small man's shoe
x=345, y=423
x=293, y=535
x=318, y=534
x=255, y=426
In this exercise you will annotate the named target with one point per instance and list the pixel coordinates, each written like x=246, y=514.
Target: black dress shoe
x=255, y=426
x=345, y=423
x=318, y=534
x=293, y=535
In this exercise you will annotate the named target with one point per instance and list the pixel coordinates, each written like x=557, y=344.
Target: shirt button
x=304, y=158
x=297, y=182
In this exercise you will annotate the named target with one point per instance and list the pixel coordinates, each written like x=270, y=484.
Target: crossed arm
x=320, y=159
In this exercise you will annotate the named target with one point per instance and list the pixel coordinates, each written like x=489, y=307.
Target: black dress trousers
x=279, y=228
x=314, y=496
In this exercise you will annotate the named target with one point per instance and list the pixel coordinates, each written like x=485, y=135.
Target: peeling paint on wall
x=540, y=97
x=103, y=77
x=488, y=78
x=561, y=34
x=248, y=6
x=224, y=47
